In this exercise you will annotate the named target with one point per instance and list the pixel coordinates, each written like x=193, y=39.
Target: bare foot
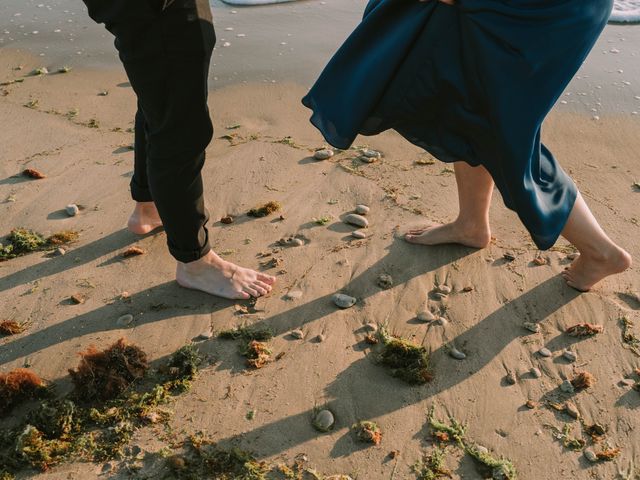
x=144, y=219
x=450, y=233
x=211, y=274
x=585, y=271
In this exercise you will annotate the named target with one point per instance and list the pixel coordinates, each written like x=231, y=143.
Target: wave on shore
x=625, y=11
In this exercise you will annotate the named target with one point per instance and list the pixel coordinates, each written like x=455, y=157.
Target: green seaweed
x=265, y=210
x=431, y=466
x=499, y=468
x=22, y=241
x=456, y=431
x=247, y=333
x=407, y=361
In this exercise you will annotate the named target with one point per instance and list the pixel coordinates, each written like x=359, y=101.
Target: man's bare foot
x=211, y=274
x=450, y=233
x=587, y=270
x=144, y=219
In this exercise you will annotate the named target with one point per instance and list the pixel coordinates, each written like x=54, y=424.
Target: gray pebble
x=570, y=356
x=426, y=316
x=343, y=301
x=320, y=338
x=297, y=334
x=590, y=455
x=125, y=320
x=362, y=209
x=571, y=410
x=439, y=295
x=443, y=321
x=359, y=234
x=368, y=153
x=323, y=154
x=535, y=372
x=545, y=352
x=357, y=220
x=532, y=327
x=385, y=281
x=457, y=354
x=510, y=378
x=324, y=421
x=72, y=210
x=566, y=387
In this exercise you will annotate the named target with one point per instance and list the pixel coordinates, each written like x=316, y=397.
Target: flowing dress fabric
x=471, y=82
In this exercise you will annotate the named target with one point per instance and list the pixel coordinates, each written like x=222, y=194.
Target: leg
x=145, y=217
x=599, y=256
x=471, y=228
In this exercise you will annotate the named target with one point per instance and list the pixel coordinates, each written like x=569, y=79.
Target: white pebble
x=532, y=327
x=426, y=316
x=298, y=334
x=357, y=220
x=570, y=356
x=362, y=209
x=545, y=352
x=323, y=154
x=536, y=373
x=72, y=210
x=293, y=295
x=359, y=234
x=457, y=354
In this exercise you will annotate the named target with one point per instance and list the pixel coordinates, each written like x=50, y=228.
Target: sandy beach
x=75, y=128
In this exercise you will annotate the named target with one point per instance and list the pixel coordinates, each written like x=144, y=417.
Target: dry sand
x=92, y=167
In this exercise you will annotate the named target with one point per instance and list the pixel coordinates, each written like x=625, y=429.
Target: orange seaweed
x=17, y=385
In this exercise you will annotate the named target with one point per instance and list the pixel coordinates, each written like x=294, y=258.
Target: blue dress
x=471, y=82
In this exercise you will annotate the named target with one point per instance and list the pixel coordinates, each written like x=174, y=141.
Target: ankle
x=473, y=226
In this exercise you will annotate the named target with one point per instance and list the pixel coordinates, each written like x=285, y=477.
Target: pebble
x=426, y=316
x=566, y=387
x=385, y=281
x=293, y=295
x=60, y=251
x=531, y=404
x=535, y=372
x=324, y=421
x=457, y=354
x=206, y=335
x=72, y=210
x=125, y=320
x=320, y=338
x=545, y=352
x=297, y=242
x=481, y=449
x=510, y=378
x=323, y=154
x=590, y=455
x=362, y=209
x=628, y=382
x=444, y=289
x=297, y=334
x=368, y=153
x=367, y=159
x=357, y=220
x=532, y=327
x=343, y=301
x=371, y=327
x=571, y=410
x=443, y=321
x=570, y=356
x=510, y=257
x=359, y=234
x=77, y=298
x=439, y=295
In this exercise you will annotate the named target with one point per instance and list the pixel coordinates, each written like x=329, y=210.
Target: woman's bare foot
x=211, y=274
x=455, y=232
x=587, y=270
x=144, y=219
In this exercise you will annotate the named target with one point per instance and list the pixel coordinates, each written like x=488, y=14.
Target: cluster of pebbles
x=358, y=219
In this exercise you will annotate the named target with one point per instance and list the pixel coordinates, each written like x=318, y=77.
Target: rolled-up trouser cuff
x=138, y=193
x=188, y=256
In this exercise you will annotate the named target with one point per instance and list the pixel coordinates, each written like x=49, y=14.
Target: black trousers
x=166, y=55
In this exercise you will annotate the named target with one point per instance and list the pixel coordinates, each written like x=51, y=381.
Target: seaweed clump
x=103, y=375
x=407, y=361
x=254, y=345
x=11, y=327
x=183, y=367
x=583, y=380
x=258, y=354
x=368, y=432
x=432, y=467
x=18, y=385
x=265, y=210
x=584, y=330
x=21, y=241
x=498, y=468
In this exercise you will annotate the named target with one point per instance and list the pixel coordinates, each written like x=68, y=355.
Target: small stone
x=206, y=335
x=444, y=289
x=531, y=404
x=367, y=159
x=481, y=449
x=107, y=467
x=540, y=261
x=545, y=352
x=77, y=299
x=443, y=321
x=371, y=327
x=368, y=153
x=357, y=220
x=468, y=289
x=362, y=209
x=566, y=387
x=508, y=256
x=532, y=327
x=385, y=281
x=343, y=301
x=590, y=455
x=72, y=210
x=293, y=295
x=426, y=316
x=570, y=356
x=535, y=372
x=571, y=410
x=320, y=338
x=227, y=219
x=510, y=378
x=297, y=242
x=359, y=234
x=628, y=382
x=60, y=251
x=457, y=354
x=439, y=295
x=125, y=320
x=324, y=421
x=297, y=334
x=323, y=154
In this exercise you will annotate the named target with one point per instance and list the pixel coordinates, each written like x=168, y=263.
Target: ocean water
x=625, y=11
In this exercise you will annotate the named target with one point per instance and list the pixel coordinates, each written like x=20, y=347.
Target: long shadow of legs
x=364, y=387
x=103, y=319
x=79, y=256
